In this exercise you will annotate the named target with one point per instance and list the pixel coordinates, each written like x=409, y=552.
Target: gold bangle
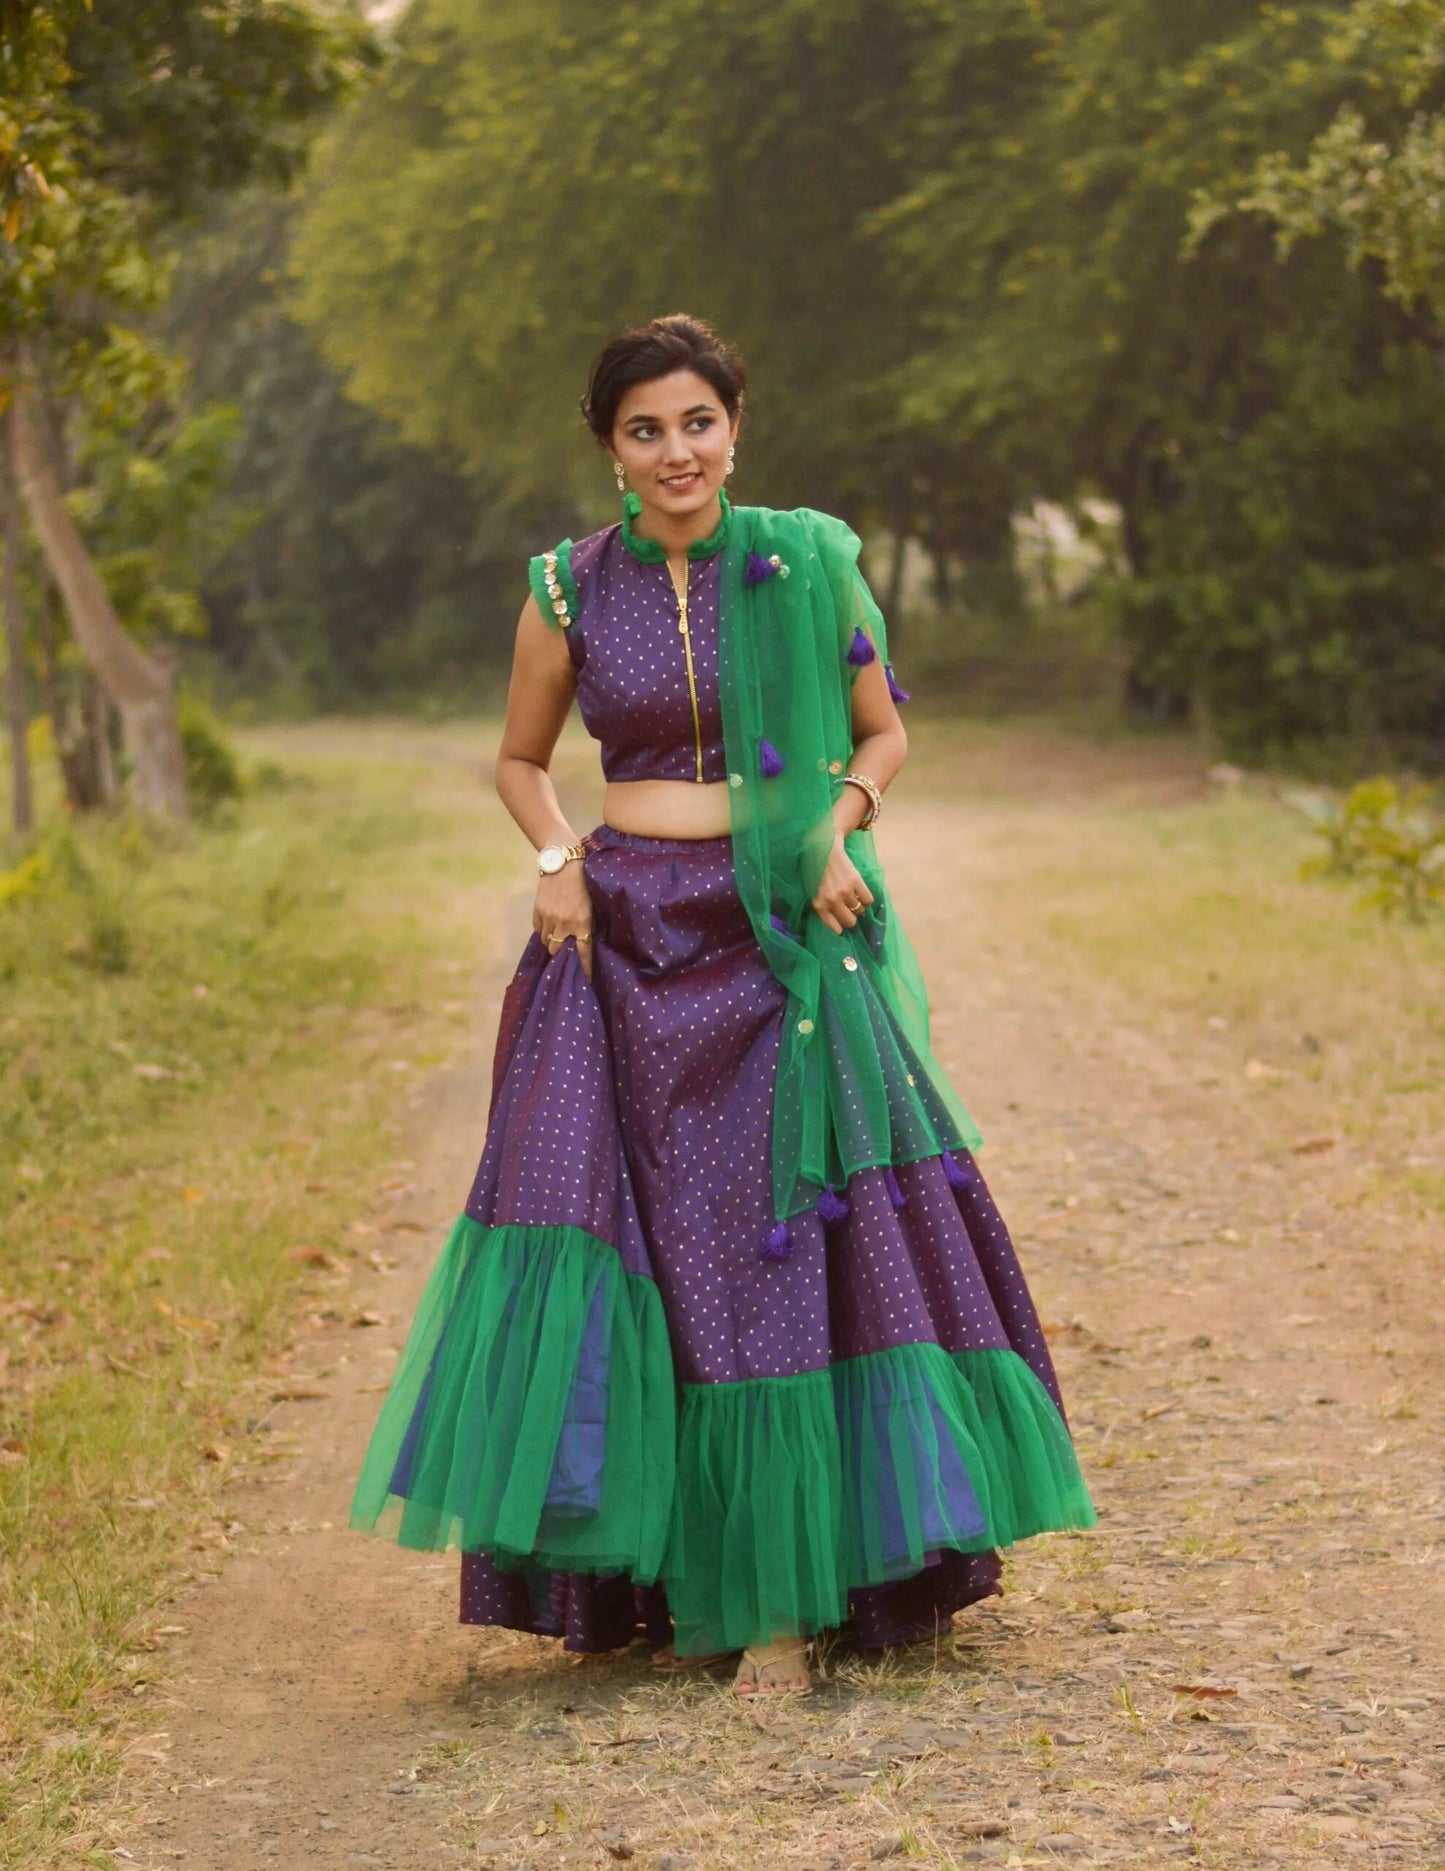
x=874, y=792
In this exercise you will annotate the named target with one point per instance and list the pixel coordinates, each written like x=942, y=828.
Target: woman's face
x=672, y=436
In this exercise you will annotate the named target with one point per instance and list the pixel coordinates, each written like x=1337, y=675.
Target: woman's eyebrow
x=698, y=409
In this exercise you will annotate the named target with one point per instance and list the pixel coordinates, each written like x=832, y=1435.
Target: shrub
x=1392, y=839
x=213, y=772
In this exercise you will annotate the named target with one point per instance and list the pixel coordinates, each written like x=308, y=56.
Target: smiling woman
x=730, y=1341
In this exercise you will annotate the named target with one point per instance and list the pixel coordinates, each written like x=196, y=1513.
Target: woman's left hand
x=842, y=895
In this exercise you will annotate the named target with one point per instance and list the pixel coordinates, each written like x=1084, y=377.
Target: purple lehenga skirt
x=635, y=1111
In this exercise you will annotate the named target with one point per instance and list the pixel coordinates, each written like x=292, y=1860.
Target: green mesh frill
x=533, y=1412
x=794, y=1491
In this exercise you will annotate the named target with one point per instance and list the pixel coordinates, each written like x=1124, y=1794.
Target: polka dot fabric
x=639, y=1107
x=627, y=651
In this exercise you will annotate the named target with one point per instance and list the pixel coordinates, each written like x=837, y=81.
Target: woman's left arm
x=880, y=745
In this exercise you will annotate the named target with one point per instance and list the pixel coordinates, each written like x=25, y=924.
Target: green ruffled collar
x=652, y=552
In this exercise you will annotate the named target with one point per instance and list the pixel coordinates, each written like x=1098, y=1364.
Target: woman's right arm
x=539, y=698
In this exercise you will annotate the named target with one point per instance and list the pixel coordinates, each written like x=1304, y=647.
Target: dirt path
x=1242, y=1667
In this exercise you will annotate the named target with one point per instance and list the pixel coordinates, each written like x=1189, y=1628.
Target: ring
x=584, y=938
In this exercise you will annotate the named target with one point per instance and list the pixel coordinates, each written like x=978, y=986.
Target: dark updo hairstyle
x=654, y=350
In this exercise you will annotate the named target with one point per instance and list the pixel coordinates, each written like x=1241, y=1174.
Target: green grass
x=206, y=1040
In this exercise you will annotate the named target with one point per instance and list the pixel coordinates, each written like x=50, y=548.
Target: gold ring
x=584, y=938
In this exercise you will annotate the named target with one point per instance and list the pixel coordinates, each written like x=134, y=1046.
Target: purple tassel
x=758, y=570
x=958, y=1176
x=860, y=651
x=770, y=760
x=898, y=694
x=782, y=928
x=895, y=1193
x=779, y=1244
x=831, y=1207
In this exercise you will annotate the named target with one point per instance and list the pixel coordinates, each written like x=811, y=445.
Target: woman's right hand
x=564, y=908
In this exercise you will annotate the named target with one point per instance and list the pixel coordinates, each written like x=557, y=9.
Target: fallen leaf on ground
x=313, y=1257
x=298, y=1393
x=1205, y=1692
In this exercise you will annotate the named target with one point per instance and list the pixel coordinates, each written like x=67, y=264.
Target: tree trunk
x=141, y=686
x=94, y=710
x=17, y=711
x=70, y=749
x=893, y=601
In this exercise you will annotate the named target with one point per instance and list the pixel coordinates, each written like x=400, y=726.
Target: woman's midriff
x=668, y=808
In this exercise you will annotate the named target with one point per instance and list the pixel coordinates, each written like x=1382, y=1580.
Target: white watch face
x=551, y=858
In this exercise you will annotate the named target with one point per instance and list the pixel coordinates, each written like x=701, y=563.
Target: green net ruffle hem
x=534, y=1417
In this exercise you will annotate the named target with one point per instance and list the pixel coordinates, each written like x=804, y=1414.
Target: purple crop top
x=627, y=650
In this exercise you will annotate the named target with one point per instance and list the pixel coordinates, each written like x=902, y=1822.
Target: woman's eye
x=701, y=422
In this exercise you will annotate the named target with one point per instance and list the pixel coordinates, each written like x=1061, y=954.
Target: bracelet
x=874, y=792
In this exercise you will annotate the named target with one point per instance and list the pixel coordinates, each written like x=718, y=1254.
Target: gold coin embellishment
x=911, y=1079
x=735, y=779
x=835, y=766
x=805, y=1026
x=822, y=766
x=850, y=962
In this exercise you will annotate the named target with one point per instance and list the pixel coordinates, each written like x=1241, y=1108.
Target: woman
x=730, y=1341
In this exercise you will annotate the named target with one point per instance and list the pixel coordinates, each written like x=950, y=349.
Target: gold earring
x=621, y=473
x=732, y=459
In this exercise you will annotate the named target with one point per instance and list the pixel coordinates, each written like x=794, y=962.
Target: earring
x=621, y=473
x=732, y=459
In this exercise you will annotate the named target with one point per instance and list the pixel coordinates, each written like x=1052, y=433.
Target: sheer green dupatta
x=857, y=1081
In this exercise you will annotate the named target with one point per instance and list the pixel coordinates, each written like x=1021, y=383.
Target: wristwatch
x=552, y=857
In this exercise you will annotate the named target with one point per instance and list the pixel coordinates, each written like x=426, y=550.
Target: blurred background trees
x=1114, y=328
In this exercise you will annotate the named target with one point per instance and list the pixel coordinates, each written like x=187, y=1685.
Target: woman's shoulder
x=559, y=576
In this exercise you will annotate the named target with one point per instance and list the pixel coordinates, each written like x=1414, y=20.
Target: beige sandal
x=774, y=1656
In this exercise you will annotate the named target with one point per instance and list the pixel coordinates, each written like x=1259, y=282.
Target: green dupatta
x=857, y=1081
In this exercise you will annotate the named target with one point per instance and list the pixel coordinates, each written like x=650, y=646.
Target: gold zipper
x=680, y=593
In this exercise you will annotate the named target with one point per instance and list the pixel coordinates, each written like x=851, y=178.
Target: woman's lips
x=680, y=483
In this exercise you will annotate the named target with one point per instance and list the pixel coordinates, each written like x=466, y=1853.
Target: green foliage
x=1387, y=837
x=972, y=255
x=374, y=571
x=498, y=204
x=213, y=772
x=1376, y=172
x=150, y=511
